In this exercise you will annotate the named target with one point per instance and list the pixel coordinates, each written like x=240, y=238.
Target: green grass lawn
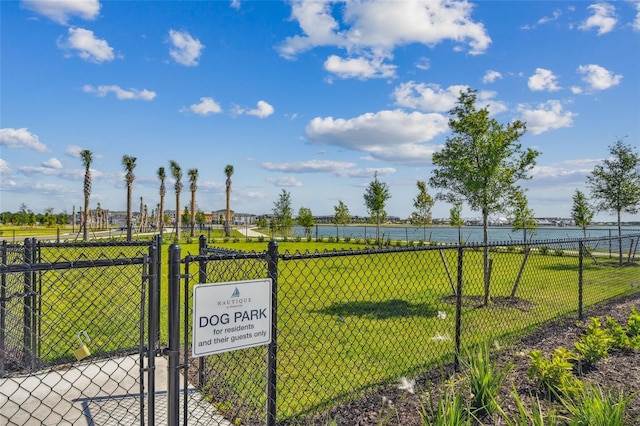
x=345, y=323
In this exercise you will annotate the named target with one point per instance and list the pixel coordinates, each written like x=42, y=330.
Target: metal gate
x=79, y=333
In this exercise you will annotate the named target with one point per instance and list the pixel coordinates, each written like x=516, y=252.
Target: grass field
x=345, y=323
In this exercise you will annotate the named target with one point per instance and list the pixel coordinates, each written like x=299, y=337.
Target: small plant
x=331, y=239
x=597, y=408
x=485, y=380
x=618, y=334
x=544, y=249
x=347, y=239
x=447, y=409
x=398, y=243
x=225, y=239
x=555, y=374
x=595, y=344
x=261, y=239
x=236, y=240
x=357, y=240
x=533, y=417
x=633, y=323
x=558, y=252
x=298, y=238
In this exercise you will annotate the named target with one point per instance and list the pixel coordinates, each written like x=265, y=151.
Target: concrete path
x=95, y=393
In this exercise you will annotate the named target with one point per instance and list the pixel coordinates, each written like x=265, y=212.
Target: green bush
x=595, y=344
x=558, y=252
x=633, y=324
x=555, y=374
x=544, y=249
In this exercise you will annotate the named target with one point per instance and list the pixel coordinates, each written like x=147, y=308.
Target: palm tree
x=163, y=190
x=87, y=158
x=193, y=180
x=228, y=171
x=176, y=172
x=129, y=163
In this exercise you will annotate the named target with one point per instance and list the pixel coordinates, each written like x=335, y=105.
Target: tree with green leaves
x=581, y=212
x=481, y=163
x=375, y=199
x=87, y=158
x=341, y=216
x=129, y=163
x=455, y=218
x=283, y=213
x=305, y=219
x=423, y=203
x=523, y=218
x=162, y=176
x=615, y=184
x=176, y=172
x=193, y=186
x=228, y=172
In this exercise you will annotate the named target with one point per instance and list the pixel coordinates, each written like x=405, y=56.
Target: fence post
x=28, y=306
x=272, y=265
x=153, y=327
x=456, y=359
x=158, y=244
x=173, y=349
x=202, y=278
x=3, y=309
x=580, y=277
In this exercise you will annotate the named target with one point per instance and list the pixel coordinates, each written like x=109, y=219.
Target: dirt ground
x=395, y=407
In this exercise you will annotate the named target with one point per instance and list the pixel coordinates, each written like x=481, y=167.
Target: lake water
x=449, y=234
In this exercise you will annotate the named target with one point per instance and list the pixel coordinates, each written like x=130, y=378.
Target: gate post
x=173, y=349
x=153, y=329
x=272, y=265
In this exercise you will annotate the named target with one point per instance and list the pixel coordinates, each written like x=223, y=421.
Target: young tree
x=176, y=172
x=481, y=163
x=375, y=199
x=129, y=163
x=162, y=175
x=581, y=212
x=523, y=218
x=341, y=216
x=193, y=186
x=87, y=159
x=282, y=212
x=305, y=219
x=423, y=203
x=615, y=184
x=228, y=172
x=455, y=218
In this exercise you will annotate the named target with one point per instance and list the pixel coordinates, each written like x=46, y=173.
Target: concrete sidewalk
x=96, y=393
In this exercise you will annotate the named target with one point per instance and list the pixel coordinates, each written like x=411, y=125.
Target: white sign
x=230, y=316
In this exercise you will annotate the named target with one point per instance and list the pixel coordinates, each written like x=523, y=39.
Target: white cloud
x=543, y=79
x=4, y=167
x=185, y=49
x=122, y=94
x=394, y=136
x=52, y=163
x=263, y=110
x=88, y=47
x=73, y=151
x=361, y=68
x=576, y=90
x=284, y=181
x=21, y=138
x=544, y=117
x=235, y=4
x=603, y=18
x=423, y=64
x=431, y=97
x=311, y=166
x=370, y=30
x=205, y=107
x=545, y=19
x=490, y=76
x=61, y=11
x=598, y=78
x=636, y=22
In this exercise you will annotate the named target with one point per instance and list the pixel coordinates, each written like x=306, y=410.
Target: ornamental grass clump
x=597, y=407
x=485, y=380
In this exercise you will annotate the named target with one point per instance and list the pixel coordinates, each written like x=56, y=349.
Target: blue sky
x=312, y=97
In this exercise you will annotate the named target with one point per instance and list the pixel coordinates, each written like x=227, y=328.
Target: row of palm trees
x=129, y=164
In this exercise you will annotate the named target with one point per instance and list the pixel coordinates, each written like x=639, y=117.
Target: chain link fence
x=74, y=321
x=354, y=320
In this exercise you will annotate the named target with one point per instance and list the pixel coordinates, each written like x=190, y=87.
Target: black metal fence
x=354, y=320
x=344, y=322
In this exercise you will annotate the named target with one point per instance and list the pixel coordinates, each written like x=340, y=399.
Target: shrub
x=261, y=239
x=618, y=334
x=555, y=375
x=595, y=344
x=544, y=249
x=347, y=239
x=633, y=323
x=558, y=252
